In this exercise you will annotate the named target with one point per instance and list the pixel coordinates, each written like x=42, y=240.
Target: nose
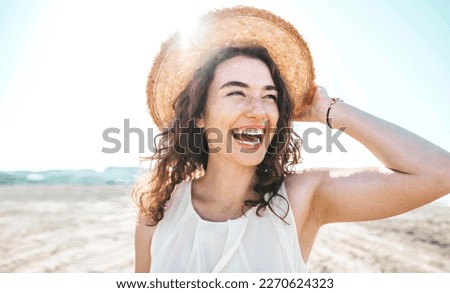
x=256, y=108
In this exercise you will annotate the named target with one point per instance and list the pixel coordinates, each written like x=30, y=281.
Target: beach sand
x=91, y=229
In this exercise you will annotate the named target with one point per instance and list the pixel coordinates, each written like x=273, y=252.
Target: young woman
x=223, y=195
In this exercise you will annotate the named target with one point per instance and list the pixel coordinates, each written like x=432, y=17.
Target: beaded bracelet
x=329, y=119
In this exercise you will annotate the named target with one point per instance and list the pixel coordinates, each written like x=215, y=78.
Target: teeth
x=249, y=131
x=257, y=141
x=248, y=136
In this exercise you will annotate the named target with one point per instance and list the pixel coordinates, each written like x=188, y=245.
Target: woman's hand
x=317, y=111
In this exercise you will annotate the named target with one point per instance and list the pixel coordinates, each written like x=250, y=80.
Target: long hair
x=181, y=150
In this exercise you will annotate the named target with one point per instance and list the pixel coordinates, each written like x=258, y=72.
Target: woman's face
x=241, y=112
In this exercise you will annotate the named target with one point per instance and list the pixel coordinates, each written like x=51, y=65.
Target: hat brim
x=240, y=26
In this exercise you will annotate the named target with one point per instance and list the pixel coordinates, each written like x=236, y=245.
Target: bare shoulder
x=301, y=188
x=145, y=229
x=302, y=185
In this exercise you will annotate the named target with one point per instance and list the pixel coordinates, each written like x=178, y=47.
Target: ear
x=200, y=121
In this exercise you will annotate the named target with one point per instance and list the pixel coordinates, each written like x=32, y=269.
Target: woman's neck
x=226, y=184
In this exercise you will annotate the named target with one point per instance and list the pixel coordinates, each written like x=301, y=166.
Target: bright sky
x=71, y=69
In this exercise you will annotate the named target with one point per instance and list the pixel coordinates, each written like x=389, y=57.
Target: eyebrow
x=244, y=85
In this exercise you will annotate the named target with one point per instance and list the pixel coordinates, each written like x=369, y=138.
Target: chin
x=249, y=156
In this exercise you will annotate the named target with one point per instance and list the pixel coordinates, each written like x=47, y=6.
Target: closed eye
x=236, y=93
x=273, y=97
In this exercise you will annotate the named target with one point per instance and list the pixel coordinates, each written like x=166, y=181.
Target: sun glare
x=187, y=31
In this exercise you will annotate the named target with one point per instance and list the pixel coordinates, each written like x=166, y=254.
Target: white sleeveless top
x=185, y=243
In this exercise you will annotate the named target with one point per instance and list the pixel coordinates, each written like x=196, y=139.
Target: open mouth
x=248, y=136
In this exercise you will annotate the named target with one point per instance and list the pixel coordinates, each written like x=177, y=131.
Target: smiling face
x=241, y=112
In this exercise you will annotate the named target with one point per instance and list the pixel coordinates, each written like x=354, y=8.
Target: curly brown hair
x=181, y=150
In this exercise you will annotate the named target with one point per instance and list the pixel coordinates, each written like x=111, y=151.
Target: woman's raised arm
x=416, y=171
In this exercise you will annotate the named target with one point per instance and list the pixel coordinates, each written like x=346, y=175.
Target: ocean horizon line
x=110, y=175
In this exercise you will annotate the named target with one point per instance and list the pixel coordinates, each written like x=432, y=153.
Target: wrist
x=320, y=108
x=329, y=115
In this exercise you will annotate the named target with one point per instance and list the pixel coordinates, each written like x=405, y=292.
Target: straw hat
x=180, y=56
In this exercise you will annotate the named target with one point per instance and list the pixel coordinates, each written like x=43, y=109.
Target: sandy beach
x=70, y=228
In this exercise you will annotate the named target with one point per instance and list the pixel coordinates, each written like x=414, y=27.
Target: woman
x=223, y=196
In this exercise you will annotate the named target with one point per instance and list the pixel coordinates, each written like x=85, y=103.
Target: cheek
x=219, y=117
x=274, y=116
